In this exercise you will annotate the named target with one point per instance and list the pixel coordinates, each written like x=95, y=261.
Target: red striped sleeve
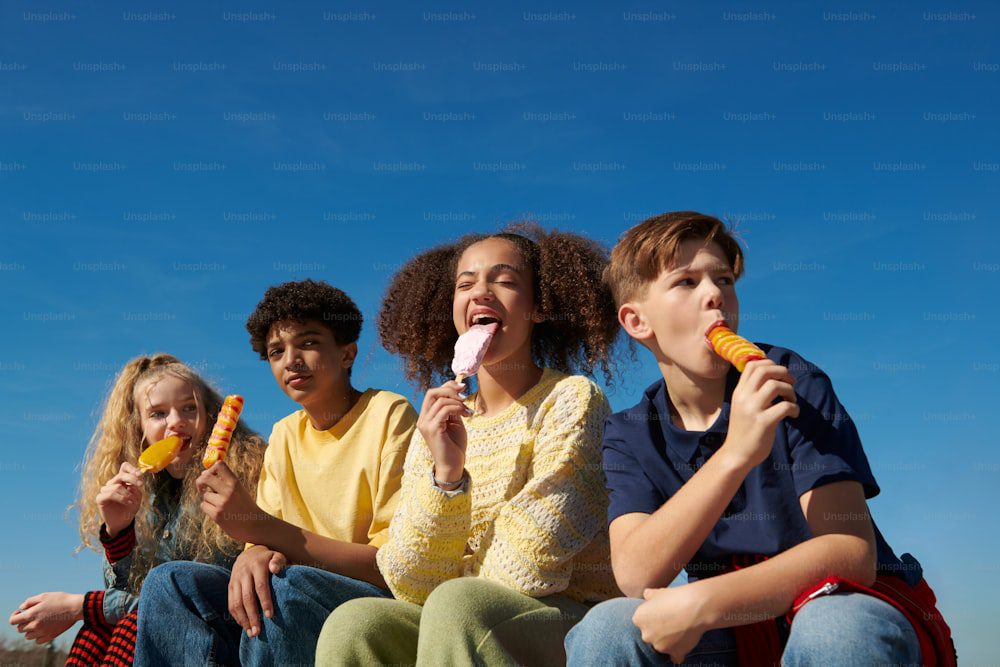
x=93, y=612
x=119, y=546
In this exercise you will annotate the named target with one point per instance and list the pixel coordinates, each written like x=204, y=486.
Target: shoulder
x=291, y=422
x=574, y=394
x=796, y=364
x=389, y=403
x=632, y=424
x=288, y=428
x=811, y=381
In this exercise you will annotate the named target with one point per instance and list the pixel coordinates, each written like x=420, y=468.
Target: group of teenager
x=513, y=520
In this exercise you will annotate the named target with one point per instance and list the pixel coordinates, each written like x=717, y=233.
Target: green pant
x=466, y=621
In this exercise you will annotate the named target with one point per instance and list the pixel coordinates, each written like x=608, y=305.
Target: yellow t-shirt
x=341, y=483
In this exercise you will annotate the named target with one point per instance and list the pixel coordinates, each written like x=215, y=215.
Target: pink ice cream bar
x=470, y=348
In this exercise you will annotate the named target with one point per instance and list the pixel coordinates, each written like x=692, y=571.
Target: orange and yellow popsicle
x=218, y=443
x=731, y=347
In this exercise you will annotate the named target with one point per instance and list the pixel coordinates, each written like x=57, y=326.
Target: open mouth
x=185, y=441
x=486, y=319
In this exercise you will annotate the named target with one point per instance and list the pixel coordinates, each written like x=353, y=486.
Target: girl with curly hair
x=140, y=520
x=499, y=542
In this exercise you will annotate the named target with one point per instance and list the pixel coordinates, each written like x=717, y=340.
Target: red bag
x=917, y=603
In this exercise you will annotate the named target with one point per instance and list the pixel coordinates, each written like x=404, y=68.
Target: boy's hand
x=250, y=582
x=669, y=620
x=43, y=617
x=753, y=419
x=118, y=500
x=229, y=504
x=440, y=423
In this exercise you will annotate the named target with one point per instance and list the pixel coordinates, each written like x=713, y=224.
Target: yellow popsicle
x=159, y=455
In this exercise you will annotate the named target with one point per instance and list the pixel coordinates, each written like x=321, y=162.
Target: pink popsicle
x=470, y=348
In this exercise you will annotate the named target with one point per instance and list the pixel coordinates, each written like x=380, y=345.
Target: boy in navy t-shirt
x=755, y=484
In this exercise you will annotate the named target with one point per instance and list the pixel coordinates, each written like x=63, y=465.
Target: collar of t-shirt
x=685, y=446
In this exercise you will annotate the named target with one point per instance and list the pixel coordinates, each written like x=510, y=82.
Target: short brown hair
x=650, y=247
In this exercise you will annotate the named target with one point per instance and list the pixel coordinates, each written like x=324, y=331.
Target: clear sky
x=161, y=166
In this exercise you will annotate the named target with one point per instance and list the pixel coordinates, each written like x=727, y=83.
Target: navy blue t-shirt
x=647, y=459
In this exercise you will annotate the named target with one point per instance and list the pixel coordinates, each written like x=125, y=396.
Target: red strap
x=916, y=603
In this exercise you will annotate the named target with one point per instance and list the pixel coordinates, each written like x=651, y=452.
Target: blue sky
x=161, y=166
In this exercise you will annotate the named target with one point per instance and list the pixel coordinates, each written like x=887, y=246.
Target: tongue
x=490, y=328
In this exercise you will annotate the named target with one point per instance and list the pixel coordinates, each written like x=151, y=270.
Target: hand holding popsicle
x=755, y=409
x=440, y=421
x=440, y=424
x=227, y=502
x=119, y=499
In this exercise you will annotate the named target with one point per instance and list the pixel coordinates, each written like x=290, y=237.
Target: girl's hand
x=118, y=500
x=440, y=423
x=45, y=616
x=229, y=504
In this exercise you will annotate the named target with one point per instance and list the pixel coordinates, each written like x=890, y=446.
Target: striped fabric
x=119, y=546
x=98, y=643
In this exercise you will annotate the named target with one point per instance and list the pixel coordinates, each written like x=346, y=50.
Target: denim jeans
x=184, y=616
x=841, y=629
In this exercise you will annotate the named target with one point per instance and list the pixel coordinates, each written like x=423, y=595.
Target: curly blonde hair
x=118, y=437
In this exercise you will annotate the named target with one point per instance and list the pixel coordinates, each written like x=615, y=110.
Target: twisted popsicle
x=218, y=443
x=731, y=347
x=160, y=454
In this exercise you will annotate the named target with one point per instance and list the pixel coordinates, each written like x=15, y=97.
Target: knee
x=606, y=634
x=354, y=624
x=857, y=628
x=164, y=579
x=456, y=601
x=291, y=579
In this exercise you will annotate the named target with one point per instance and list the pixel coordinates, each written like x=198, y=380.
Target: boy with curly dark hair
x=325, y=497
x=499, y=542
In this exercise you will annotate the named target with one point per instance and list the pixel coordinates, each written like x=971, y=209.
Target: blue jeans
x=840, y=629
x=184, y=616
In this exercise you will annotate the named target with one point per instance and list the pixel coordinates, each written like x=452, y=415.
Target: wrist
x=113, y=530
x=74, y=605
x=732, y=458
x=448, y=475
x=703, y=607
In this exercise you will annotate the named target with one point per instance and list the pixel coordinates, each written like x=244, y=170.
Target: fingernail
x=463, y=396
x=267, y=613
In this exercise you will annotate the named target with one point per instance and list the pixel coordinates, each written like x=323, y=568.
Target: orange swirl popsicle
x=731, y=347
x=218, y=443
x=160, y=454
